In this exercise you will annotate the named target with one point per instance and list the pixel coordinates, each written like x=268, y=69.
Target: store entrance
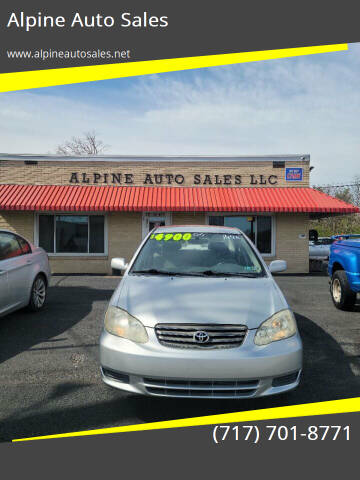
x=154, y=219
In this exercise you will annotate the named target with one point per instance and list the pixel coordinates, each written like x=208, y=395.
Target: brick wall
x=59, y=173
x=18, y=222
x=186, y=218
x=83, y=265
x=125, y=234
x=289, y=246
x=125, y=229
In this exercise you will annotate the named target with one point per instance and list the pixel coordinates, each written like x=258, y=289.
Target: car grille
x=201, y=388
x=182, y=335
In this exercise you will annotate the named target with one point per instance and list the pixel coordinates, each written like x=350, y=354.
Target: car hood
x=233, y=300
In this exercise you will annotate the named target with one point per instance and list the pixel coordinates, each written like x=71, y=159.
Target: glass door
x=154, y=219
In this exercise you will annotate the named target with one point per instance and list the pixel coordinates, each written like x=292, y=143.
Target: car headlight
x=281, y=325
x=120, y=323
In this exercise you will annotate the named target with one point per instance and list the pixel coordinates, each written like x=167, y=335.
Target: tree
x=89, y=144
x=344, y=194
x=342, y=224
x=355, y=191
x=348, y=193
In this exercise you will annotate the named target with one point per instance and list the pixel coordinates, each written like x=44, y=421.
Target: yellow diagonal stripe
x=63, y=76
x=304, y=410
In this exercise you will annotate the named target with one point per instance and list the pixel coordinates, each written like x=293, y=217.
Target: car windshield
x=324, y=241
x=197, y=253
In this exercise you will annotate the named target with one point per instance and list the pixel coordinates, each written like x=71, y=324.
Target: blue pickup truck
x=344, y=270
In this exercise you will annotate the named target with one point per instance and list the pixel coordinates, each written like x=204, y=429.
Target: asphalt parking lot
x=49, y=372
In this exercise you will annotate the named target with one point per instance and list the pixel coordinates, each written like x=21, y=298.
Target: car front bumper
x=242, y=372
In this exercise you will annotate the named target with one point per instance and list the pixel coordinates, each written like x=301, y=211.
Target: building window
x=72, y=234
x=258, y=228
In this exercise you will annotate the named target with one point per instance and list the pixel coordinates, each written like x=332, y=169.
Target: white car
x=24, y=274
x=320, y=249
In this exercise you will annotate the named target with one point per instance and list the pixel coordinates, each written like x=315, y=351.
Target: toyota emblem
x=201, y=337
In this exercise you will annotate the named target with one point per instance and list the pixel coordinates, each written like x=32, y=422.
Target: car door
x=17, y=265
x=4, y=296
x=4, y=291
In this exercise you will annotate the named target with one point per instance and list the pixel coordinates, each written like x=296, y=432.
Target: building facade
x=84, y=211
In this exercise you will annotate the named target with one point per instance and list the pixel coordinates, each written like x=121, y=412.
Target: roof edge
x=122, y=198
x=22, y=157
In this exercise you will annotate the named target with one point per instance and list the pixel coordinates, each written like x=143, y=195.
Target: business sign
x=293, y=174
x=175, y=178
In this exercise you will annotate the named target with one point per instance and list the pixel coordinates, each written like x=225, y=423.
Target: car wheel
x=342, y=295
x=38, y=294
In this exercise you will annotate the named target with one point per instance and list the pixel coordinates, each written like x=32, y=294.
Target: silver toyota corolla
x=198, y=314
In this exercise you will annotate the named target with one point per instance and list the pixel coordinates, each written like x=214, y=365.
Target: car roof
x=198, y=229
x=3, y=230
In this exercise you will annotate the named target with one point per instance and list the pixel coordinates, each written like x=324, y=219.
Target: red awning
x=174, y=199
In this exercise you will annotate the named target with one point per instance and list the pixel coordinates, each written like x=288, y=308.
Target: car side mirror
x=118, y=265
x=277, y=266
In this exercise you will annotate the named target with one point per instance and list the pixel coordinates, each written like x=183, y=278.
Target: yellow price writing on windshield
x=171, y=236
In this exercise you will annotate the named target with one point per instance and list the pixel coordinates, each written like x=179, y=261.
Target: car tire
x=38, y=294
x=342, y=295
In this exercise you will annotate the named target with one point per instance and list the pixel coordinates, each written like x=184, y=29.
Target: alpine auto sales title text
x=40, y=20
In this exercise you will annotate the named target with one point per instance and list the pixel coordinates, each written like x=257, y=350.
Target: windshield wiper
x=151, y=271
x=247, y=275
x=229, y=274
x=154, y=271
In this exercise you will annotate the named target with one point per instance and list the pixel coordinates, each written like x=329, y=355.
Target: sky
x=307, y=104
